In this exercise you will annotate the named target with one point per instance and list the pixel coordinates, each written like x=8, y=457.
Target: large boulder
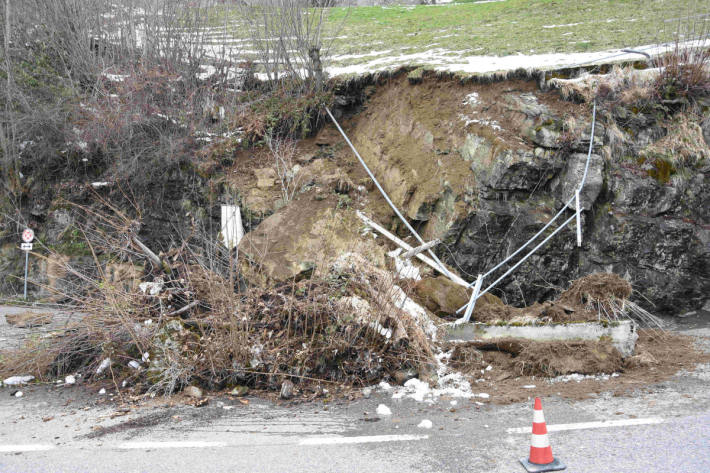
x=306, y=233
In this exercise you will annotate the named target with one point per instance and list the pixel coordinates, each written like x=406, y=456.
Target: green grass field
x=503, y=28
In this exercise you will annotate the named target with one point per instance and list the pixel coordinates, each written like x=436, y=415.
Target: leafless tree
x=288, y=35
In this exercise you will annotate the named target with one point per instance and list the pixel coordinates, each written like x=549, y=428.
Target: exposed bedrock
x=485, y=166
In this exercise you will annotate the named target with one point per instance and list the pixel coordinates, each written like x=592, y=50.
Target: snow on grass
x=561, y=26
x=441, y=59
x=345, y=57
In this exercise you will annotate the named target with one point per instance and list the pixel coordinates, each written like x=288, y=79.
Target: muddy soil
x=659, y=356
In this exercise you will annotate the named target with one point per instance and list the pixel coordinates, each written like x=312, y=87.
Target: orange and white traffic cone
x=541, y=458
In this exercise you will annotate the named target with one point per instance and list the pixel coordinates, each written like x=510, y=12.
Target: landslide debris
x=599, y=296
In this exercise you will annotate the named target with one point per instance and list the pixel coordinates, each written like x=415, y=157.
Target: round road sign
x=28, y=235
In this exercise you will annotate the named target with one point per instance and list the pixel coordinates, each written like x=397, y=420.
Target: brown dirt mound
x=585, y=300
x=525, y=357
x=659, y=356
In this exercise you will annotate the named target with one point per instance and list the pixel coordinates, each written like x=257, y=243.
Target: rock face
x=655, y=234
x=525, y=153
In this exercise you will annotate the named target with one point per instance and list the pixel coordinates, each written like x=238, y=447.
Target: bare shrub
x=684, y=75
x=189, y=323
x=283, y=151
x=684, y=71
x=288, y=35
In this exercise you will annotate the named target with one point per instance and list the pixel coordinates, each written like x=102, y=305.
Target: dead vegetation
x=597, y=297
x=196, y=320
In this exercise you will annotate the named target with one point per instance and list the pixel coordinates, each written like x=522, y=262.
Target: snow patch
x=383, y=410
x=581, y=377
x=404, y=267
x=17, y=380
x=417, y=312
x=472, y=99
x=116, y=77
x=425, y=424
x=151, y=288
x=452, y=384
x=103, y=366
x=561, y=26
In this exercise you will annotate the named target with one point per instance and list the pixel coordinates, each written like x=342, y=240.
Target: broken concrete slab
x=623, y=334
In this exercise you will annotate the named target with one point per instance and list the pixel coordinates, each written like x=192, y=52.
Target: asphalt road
x=665, y=428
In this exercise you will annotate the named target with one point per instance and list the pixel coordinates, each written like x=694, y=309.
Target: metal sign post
x=27, y=236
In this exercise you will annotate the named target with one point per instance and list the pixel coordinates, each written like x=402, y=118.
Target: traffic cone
x=541, y=458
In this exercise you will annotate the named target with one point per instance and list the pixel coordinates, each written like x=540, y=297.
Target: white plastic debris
x=124, y=384
x=102, y=391
x=69, y=379
x=529, y=386
x=483, y=395
x=17, y=380
x=19, y=394
x=383, y=410
x=134, y=364
x=425, y=424
x=146, y=357
x=103, y=366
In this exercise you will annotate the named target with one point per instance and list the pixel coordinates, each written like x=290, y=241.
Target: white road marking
x=32, y=447
x=364, y=439
x=590, y=425
x=183, y=444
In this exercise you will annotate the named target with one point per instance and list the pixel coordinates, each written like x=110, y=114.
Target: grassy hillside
x=361, y=35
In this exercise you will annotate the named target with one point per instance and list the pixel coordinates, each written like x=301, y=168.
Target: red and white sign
x=28, y=235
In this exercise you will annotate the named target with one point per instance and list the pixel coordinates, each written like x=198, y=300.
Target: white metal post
x=472, y=301
x=579, y=219
x=27, y=262
x=232, y=229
